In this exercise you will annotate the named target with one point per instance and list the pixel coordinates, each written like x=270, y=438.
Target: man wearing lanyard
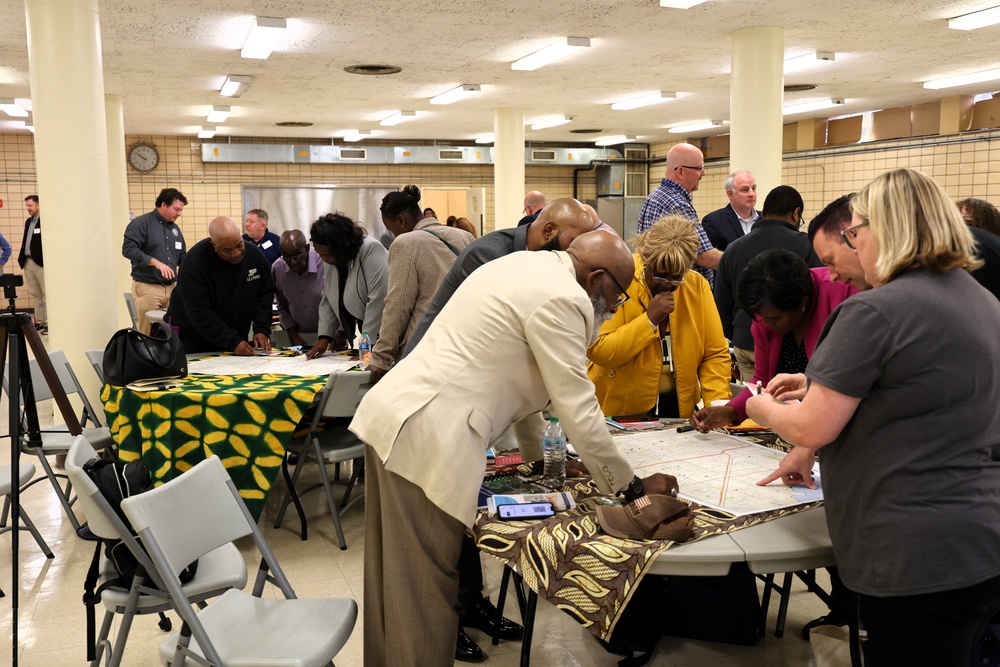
x=30, y=261
x=155, y=246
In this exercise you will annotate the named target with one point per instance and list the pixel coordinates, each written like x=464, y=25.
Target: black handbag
x=131, y=356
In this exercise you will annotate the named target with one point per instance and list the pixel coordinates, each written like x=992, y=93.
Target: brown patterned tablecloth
x=589, y=574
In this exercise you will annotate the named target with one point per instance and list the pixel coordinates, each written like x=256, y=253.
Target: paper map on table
x=298, y=365
x=716, y=470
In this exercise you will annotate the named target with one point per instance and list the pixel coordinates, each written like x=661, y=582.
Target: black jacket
x=36, y=243
x=723, y=227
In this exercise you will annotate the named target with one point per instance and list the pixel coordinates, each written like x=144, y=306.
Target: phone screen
x=525, y=511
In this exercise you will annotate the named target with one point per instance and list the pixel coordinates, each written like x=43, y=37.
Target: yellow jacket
x=626, y=359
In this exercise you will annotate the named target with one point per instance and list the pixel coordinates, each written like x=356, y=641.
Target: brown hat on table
x=663, y=518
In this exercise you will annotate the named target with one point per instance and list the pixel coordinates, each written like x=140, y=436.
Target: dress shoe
x=830, y=619
x=482, y=615
x=468, y=650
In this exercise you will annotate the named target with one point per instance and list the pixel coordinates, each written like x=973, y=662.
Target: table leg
x=529, y=626
x=786, y=593
x=295, y=497
x=765, y=603
x=501, y=601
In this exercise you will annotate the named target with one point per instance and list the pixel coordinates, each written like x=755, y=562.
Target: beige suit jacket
x=512, y=338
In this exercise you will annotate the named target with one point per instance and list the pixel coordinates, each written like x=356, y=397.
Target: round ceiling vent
x=587, y=131
x=373, y=70
x=799, y=87
x=293, y=123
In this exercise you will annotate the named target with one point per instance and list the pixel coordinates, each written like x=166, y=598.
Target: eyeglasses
x=296, y=254
x=850, y=235
x=622, y=293
x=684, y=166
x=664, y=280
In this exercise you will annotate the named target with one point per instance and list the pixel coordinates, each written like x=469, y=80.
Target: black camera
x=10, y=282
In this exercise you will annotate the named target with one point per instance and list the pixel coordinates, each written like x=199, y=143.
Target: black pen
x=685, y=429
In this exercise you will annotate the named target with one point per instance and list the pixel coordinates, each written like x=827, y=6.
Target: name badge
x=38, y=230
x=266, y=245
x=178, y=245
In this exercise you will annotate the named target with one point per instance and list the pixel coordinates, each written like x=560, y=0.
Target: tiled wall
x=966, y=165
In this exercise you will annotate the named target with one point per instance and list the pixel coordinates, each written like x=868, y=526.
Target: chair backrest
x=96, y=359
x=132, y=312
x=68, y=380
x=190, y=515
x=103, y=521
x=343, y=393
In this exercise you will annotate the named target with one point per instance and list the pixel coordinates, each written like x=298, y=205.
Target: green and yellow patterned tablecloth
x=247, y=420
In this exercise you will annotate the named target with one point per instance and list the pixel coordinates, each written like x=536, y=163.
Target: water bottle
x=365, y=349
x=554, y=453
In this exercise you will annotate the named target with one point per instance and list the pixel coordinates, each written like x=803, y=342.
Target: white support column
x=508, y=167
x=755, y=104
x=71, y=154
x=118, y=184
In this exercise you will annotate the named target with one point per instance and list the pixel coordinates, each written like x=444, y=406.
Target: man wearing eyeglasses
x=685, y=168
x=298, y=286
x=534, y=202
x=777, y=228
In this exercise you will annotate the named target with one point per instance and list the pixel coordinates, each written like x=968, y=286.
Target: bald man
x=555, y=228
x=534, y=202
x=685, y=168
x=223, y=288
x=453, y=396
x=298, y=285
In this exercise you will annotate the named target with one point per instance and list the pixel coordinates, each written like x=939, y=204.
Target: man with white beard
x=511, y=341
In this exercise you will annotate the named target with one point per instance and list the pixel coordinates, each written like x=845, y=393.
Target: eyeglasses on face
x=685, y=166
x=660, y=279
x=850, y=235
x=622, y=293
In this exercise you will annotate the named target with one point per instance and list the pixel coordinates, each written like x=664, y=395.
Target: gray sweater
x=364, y=293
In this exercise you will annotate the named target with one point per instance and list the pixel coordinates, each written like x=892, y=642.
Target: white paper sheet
x=262, y=365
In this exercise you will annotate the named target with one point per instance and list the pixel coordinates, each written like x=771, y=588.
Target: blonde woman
x=663, y=350
x=902, y=401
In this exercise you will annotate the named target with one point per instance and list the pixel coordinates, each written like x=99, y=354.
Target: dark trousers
x=930, y=629
x=470, y=574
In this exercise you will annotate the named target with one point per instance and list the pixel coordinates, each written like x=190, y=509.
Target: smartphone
x=525, y=511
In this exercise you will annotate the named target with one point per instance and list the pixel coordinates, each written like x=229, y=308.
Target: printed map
x=716, y=470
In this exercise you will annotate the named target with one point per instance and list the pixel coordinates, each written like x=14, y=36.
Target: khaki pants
x=745, y=360
x=34, y=277
x=149, y=297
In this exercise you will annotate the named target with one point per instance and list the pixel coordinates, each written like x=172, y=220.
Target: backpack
x=116, y=481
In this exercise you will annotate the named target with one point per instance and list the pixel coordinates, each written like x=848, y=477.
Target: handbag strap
x=450, y=246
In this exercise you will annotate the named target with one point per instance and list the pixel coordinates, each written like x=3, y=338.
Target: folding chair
x=132, y=312
x=218, y=571
x=201, y=510
x=329, y=445
x=25, y=473
x=96, y=359
x=57, y=440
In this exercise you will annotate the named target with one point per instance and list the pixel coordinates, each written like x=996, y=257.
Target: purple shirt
x=299, y=296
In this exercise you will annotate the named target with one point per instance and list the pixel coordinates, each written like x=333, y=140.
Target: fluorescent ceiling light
x=358, y=135
x=680, y=4
x=643, y=101
x=13, y=109
x=979, y=19
x=398, y=117
x=456, y=94
x=950, y=82
x=235, y=85
x=614, y=141
x=28, y=125
x=551, y=53
x=263, y=37
x=807, y=60
x=486, y=139
x=219, y=114
x=551, y=122
x=207, y=132
x=806, y=107
x=696, y=127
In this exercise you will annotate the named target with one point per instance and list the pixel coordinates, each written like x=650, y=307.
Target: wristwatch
x=634, y=490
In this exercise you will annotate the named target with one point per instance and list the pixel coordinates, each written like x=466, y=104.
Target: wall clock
x=143, y=157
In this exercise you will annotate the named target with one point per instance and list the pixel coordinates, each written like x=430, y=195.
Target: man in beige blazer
x=510, y=342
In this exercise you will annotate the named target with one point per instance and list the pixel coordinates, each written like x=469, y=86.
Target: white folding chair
x=96, y=359
x=25, y=472
x=130, y=306
x=201, y=510
x=329, y=445
x=57, y=440
x=218, y=571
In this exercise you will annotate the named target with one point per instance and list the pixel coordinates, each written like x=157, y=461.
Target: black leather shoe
x=482, y=614
x=830, y=619
x=468, y=650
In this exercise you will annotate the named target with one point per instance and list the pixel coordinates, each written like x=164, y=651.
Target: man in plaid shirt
x=685, y=167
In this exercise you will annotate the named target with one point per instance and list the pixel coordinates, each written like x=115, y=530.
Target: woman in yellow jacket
x=670, y=310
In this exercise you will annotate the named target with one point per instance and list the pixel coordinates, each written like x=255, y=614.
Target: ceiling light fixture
x=456, y=94
x=357, y=135
x=398, y=117
x=219, y=114
x=235, y=85
x=963, y=80
x=29, y=126
x=643, y=101
x=207, y=132
x=263, y=37
x=980, y=19
x=614, y=141
x=486, y=139
x=807, y=60
x=680, y=4
x=551, y=53
x=806, y=107
x=696, y=127
x=13, y=109
x=551, y=122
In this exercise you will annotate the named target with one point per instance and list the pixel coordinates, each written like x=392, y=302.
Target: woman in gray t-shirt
x=902, y=397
